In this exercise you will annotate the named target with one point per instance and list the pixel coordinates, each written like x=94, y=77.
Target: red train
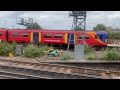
x=54, y=36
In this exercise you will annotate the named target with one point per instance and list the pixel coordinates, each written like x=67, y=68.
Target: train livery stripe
x=66, y=38
x=39, y=37
x=74, y=38
x=31, y=37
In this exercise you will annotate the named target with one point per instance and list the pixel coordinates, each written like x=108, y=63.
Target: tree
x=110, y=28
x=34, y=26
x=99, y=27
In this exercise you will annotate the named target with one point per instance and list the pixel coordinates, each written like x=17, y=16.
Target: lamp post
x=5, y=23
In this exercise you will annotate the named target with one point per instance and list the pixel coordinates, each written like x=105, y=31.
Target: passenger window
x=47, y=35
x=95, y=36
x=101, y=36
x=24, y=34
x=1, y=33
x=83, y=37
x=58, y=35
x=80, y=37
x=86, y=37
x=15, y=34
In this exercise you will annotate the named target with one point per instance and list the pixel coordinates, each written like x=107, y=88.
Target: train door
x=96, y=38
x=35, y=37
x=71, y=38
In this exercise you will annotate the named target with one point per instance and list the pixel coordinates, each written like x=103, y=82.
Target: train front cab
x=103, y=38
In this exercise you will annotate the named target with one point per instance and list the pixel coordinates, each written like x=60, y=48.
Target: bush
x=114, y=35
x=33, y=51
x=45, y=47
x=88, y=49
x=66, y=57
x=112, y=54
x=6, y=48
x=91, y=57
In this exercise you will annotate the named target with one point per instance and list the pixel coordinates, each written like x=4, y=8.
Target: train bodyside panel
x=54, y=37
x=20, y=36
x=57, y=37
x=3, y=35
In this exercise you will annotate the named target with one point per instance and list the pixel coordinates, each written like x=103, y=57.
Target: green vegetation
x=35, y=26
x=33, y=51
x=99, y=27
x=6, y=48
x=88, y=49
x=45, y=47
x=106, y=54
x=114, y=35
x=91, y=56
x=67, y=57
x=110, y=55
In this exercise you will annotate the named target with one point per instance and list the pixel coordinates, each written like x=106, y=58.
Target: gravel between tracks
x=34, y=60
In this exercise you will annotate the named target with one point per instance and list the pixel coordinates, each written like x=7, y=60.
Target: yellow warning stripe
x=74, y=38
x=40, y=37
x=31, y=37
x=66, y=38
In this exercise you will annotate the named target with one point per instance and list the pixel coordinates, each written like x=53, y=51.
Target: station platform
x=113, y=45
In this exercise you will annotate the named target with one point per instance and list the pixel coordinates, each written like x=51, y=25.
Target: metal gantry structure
x=79, y=24
x=27, y=23
x=79, y=19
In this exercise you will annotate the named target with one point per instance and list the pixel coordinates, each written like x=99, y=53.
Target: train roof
x=51, y=30
x=3, y=29
x=70, y=31
x=101, y=32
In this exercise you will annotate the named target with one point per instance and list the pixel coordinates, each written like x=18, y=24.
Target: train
x=57, y=37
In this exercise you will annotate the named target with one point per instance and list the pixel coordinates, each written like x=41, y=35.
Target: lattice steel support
x=79, y=20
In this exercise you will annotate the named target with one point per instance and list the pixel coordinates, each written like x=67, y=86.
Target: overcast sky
x=59, y=19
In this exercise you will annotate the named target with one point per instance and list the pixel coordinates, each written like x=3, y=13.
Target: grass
x=33, y=51
x=67, y=57
x=88, y=49
x=111, y=55
x=91, y=56
x=6, y=48
x=104, y=54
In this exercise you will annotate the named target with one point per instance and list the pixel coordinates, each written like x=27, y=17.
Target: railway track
x=56, y=71
x=114, y=66
x=14, y=75
x=40, y=74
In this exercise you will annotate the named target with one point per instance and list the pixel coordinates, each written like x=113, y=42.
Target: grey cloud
x=59, y=19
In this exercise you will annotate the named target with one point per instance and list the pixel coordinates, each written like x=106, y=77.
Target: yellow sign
x=10, y=55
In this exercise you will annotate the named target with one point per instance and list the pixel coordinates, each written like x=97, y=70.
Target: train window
x=15, y=34
x=95, y=36
x=1, y=33
x=83, y=37
x=58, y=35
x=47, y=35
x=101, y=36
x=24, y=34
